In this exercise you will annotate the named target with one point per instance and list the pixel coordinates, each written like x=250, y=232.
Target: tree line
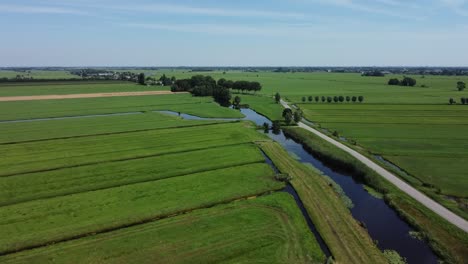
x=200, y=85
x=406, y=81
x=336, y=99
x=463, y=101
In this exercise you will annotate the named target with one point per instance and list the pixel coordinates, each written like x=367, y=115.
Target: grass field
x=269, y=229
x=114, y=174
x=70, y=87
x=40, y=222
x=91, y=106
x=37, y=74
x=88, y=126
x=82, y=183
x=62, y=153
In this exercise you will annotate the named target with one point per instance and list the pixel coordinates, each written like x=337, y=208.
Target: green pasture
x=61, y=153
x=114, y=174
x=269, y=229
x=71, y=87
x=428, y=141
x=88, y=126
x=185, y=103
x=41, y=222
x=38, y=74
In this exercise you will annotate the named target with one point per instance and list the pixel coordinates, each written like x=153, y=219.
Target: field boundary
x=76, y=96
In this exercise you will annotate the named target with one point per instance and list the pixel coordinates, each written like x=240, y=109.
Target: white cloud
x=26, y=9
x=208, y=11
x=372, y=9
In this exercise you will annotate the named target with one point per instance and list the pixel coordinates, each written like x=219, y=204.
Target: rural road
x=405, y=187
x=75, y=96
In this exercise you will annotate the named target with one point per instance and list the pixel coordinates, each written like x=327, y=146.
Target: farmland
x=258, y=229
x=79, y=182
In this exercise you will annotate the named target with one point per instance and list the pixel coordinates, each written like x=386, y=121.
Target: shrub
x=394, y=81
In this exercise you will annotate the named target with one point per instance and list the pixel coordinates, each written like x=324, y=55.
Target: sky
x=233, y=33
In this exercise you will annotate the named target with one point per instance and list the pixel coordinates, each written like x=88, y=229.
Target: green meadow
x=269, y=229
x=77, y=183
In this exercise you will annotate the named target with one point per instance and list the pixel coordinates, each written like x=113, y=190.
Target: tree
x=311, y=99
x=461, y=86
x=288, y=115
x=323, y=99
x=317, y=99
x=298, y=116
x=354, y=99
x=304, y=99
x=335, y=99
x=276, y=127
x=277, y=98
x=266, y=127
x=408, y=81
x=222, y=96
x=237, y=101
x=348, y=98
x=341, y=99
x=464, y=100
x=141, y=78
x=361, y=99
x=329, y=99
x=452, y=101
x=222, y=82
x=394, y=81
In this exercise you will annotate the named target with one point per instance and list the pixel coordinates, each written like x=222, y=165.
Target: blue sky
x=234, y=33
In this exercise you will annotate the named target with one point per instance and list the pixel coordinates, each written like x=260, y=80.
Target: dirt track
x=74, y=96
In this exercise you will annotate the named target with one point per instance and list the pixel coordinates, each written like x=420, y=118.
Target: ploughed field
x=144, y=187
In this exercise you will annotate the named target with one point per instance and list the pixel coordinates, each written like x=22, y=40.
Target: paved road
x=408, y=189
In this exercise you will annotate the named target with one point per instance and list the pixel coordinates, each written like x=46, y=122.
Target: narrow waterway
x=382, y=222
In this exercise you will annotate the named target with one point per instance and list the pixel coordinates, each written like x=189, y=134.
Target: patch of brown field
x=75, y=96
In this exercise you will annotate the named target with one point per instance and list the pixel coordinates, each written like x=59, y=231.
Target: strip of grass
x=47, y=88
x=268, y=229
x=77, y=127
x=33, y=186
x=346, y=239
x=449, y=242
x=41, y=222
x=200, y=106
x=54, y=154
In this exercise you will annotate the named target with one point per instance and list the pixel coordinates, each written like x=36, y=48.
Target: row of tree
x=200, y=85
x=290, y=116
x=240, y=86
x=335, y=99
x=163, y=80
x=463, y=101
x=407, y=81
